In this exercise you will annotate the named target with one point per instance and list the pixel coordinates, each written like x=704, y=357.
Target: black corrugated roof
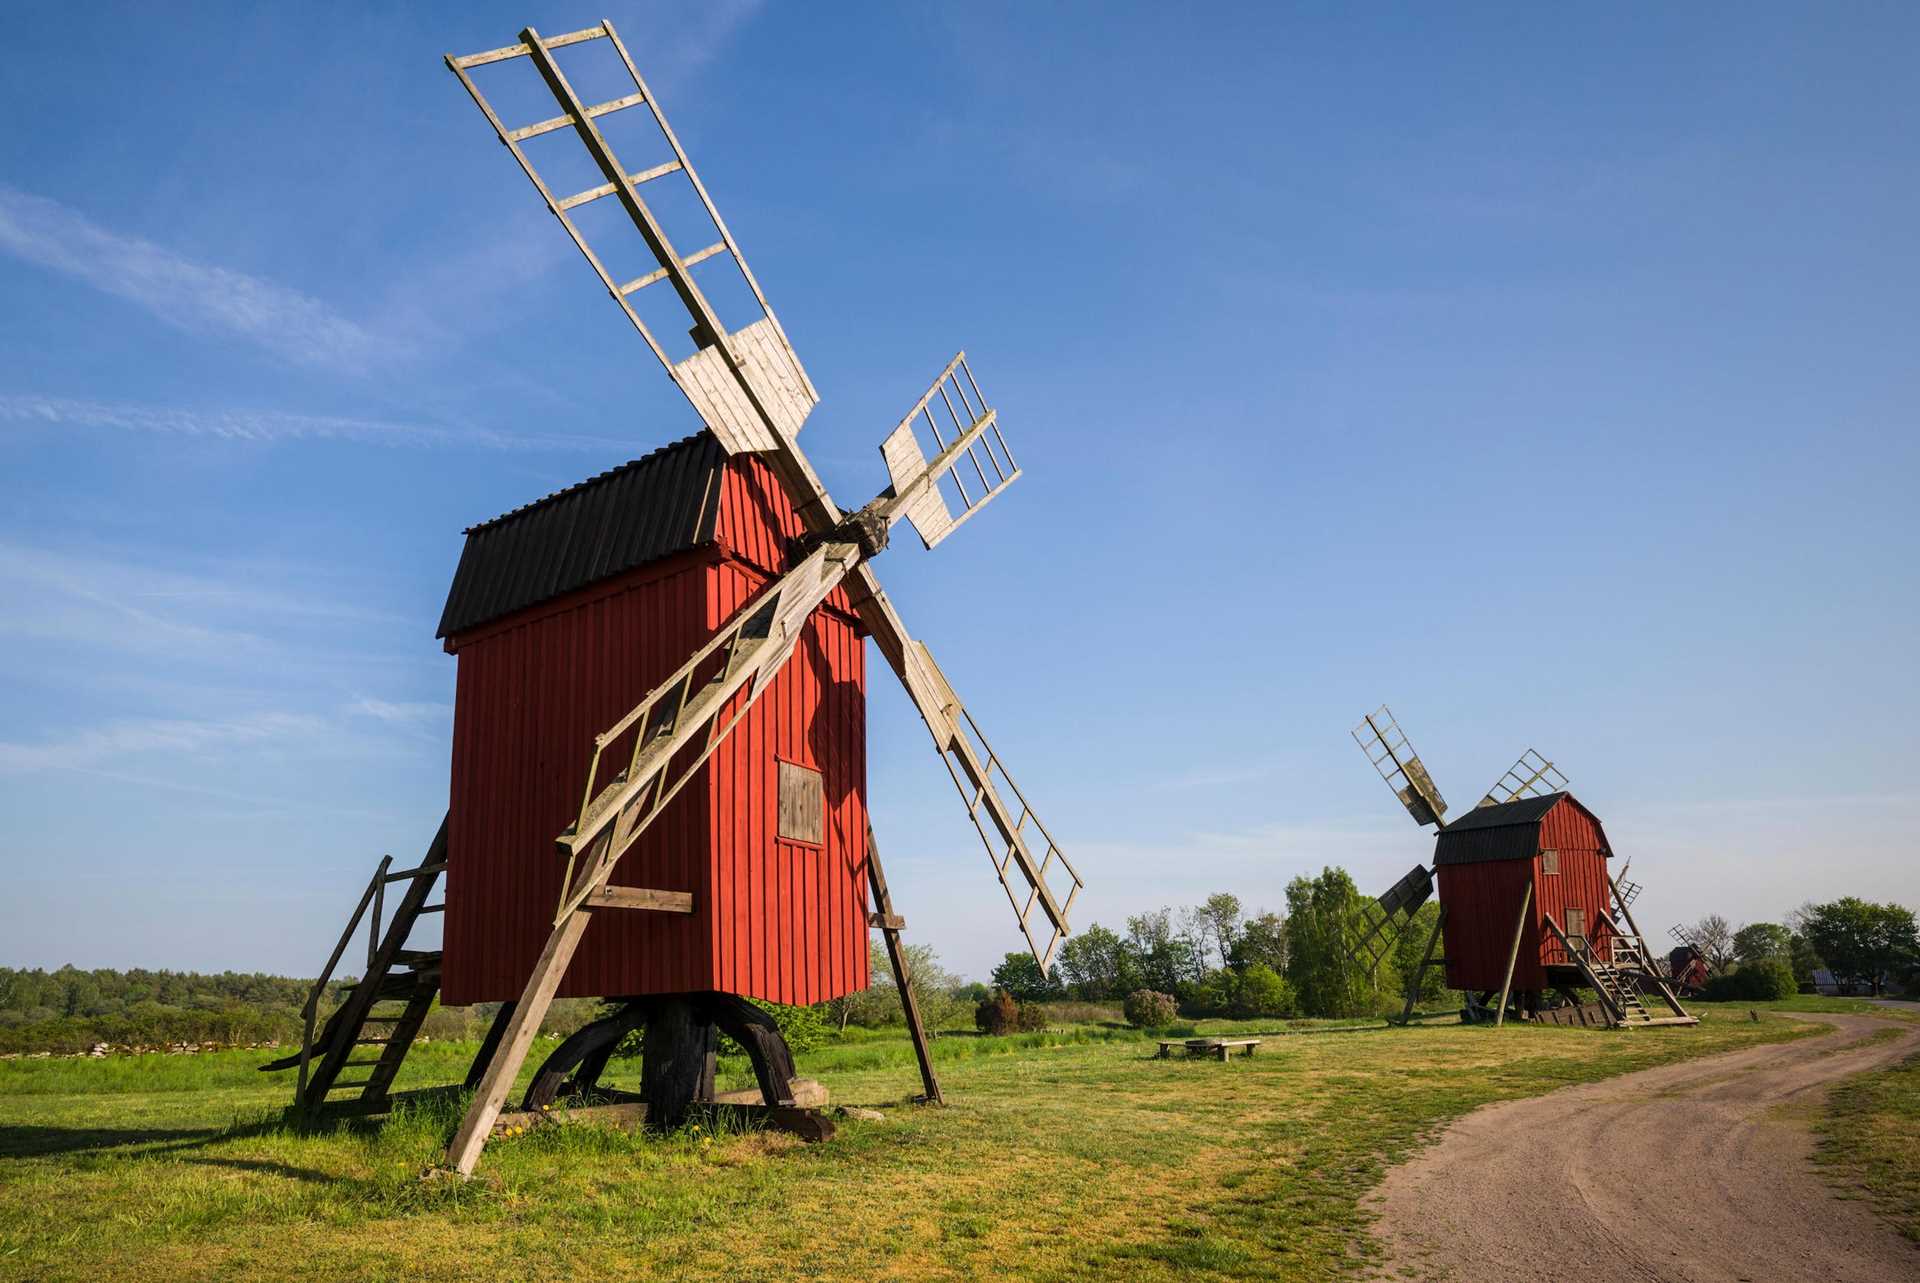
x=653, y=507
x=1527, y=810
x=1503, y=831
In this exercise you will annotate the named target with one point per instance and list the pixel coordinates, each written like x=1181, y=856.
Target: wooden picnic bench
x=1220, y=1048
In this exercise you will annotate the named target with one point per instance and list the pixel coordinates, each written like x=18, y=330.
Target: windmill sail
x=1392, y=755
x=1531, y=776
x=1385, y=920
x=746, y=385
x=930, y=509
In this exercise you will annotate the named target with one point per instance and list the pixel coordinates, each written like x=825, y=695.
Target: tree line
x=69, y=1009
x=1216, y=959
x=1863, y=944
x=1212, y=959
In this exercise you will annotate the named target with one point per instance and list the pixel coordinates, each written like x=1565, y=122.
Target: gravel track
x=1695, y=1173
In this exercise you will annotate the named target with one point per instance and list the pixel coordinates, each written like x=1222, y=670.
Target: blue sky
x=1548, y=376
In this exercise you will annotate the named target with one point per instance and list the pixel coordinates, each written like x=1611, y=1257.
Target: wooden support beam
x=1513, y=956
x=612, y=897
x=464, y=1150
x=489, y=1044
x=909, y=1004
x=886, y=922
x=1420, y=972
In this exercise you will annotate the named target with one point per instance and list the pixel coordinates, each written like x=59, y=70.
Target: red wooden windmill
x=661, y=677
x=1527, y=907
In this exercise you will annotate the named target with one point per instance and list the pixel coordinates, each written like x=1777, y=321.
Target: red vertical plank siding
x=772, y=919
x=1483, y=900
x=1581, y=882
x=532, y=691
x=789, y=933
x=1483, y=903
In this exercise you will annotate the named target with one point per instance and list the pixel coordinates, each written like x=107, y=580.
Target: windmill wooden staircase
x=386, y=1006
x=1621, y=977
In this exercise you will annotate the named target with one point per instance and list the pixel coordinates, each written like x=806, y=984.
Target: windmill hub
x=867, y=529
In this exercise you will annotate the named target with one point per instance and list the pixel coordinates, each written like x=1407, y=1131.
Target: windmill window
x=1576, y=924
x=802, y=804
x=1549, y=862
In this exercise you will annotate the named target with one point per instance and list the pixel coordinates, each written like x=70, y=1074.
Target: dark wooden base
x=676, y=1066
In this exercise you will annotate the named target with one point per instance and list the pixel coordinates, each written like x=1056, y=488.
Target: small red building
x=1484, y=862
x=562, y=616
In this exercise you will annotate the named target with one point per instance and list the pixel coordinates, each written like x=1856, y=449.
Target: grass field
x=1870, y=1142
x=1071, y=1154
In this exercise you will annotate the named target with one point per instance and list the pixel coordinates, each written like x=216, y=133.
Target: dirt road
x=1694, y=1173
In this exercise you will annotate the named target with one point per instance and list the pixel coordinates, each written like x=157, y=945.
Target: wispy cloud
x=123, y=740
x=136, y=585
x=270, y=425
x=194, y=296
x=405, y=713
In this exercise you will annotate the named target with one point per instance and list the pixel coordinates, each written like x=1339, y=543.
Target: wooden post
x=1513, y=956
x=1420, y=972
x=464, y=1150
x=890, y=931
x=489, y=1044
x=674, y=1062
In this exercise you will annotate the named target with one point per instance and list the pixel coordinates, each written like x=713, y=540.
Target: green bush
x=1765, y=980
x=1146, y=1009
x=1262, y=991
x=804, y=1028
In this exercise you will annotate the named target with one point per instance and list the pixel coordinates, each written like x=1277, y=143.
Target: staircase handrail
x=1584, y=960
x=375, y=885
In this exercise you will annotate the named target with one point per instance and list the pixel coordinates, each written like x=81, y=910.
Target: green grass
x=1810, y=1002
x=1870, y=1141
x=1063, y=1155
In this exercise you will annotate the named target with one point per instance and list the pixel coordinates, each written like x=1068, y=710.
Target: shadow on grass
x=35, y=1141
x=267, y=1167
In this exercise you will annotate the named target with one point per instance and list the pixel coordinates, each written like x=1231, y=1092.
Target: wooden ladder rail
x=310, y=1011
x=890, y=924
x=353, y=1013
x=1610, y=996
x=1667, y=994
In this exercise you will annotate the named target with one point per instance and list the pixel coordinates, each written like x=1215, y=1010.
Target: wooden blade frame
x=1392, y=755
x=1531, y=776
x=1385, y=920
x=929, y=509
x=749, y=387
